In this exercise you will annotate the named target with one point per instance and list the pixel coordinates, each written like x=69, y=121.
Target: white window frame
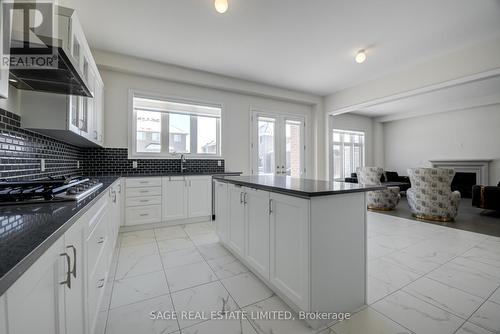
x=281, y=117
x=341, y=143
x=165, y=154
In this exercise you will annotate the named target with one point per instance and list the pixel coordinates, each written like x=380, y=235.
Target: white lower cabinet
x=199, y=196
x=236, y=230
x=175, y=198
x=35, y=302
x=221, y=209
x=257, y=229
x=290, y=247
x=270, y=233
x=62, y=291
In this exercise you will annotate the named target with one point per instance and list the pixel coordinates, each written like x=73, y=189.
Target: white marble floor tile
x=137, y=288
x=473, y=277
x=202, y=299
x=136, y=238
x=377, y=289
x=227, y=266
x=377, y=249
x=452, y=300
x=171, y=232
x=138, y=260
x=470, y=328
x=221, y=327
x=485, y=253
x=246, y=289
x=183, y=277
x=199, y=228
x=407, y=260
x=495, y=297
x=171, y=245
x=433, y=252
x=181, y=257
x=368, y=321
x=390, y=273
x=488, y=316
x=213, y=251
x=276, y=326
x=416, y=315
x=135, y=318
x=205, y=239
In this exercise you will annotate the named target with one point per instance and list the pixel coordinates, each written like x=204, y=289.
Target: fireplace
x=463, y=182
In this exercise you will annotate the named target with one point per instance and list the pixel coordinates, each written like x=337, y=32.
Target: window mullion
x=194, y=134
x=164, y=135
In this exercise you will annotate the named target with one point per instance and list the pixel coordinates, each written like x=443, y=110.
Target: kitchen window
x=164, y=128
x=348, y=152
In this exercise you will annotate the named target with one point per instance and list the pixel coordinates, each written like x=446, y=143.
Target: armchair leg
x=371, y=208
x=433, y=218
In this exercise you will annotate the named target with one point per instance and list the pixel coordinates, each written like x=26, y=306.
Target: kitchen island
x=306, y=239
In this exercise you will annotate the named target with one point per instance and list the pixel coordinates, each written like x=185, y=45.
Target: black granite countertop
x=188, y=173
x=28, y=230
x=305, y=188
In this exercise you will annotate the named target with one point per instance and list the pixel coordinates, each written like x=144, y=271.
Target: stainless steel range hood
x=65, y=75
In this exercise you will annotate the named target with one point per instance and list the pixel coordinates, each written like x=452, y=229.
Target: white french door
x=278, y=144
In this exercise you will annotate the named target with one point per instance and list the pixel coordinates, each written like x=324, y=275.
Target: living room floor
x=469, y=218
x=422, y=278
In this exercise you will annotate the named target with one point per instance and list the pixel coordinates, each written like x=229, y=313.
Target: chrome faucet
x=183, y=161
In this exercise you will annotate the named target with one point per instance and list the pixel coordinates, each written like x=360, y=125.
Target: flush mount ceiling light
x=221, y=6
x=360, y=56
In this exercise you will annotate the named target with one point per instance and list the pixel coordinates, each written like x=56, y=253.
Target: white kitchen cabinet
x=256, y=204
x=236, y=233
x=75, y=296
x=35, y=302
x=290, y=247
x=175, y=198
x=143, y=200
x=3, y=315
x=4, y=69
x=199, y=196
x=98, y=117
x=115, y=194
x=221, y=209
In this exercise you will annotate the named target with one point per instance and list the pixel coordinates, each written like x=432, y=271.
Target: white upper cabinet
x=4, y=69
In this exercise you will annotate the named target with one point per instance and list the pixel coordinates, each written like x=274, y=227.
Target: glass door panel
x=266, y=145
x=293, y=148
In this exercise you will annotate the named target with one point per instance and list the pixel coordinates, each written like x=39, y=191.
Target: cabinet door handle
x=119, y=188
x=100, y=283
x=68, y=273
x=241, y=198
x=73, y=271
x=245, y=198
x=100, y=240
x=271, y=202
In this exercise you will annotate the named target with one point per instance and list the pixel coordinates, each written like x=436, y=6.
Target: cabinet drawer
x=96, y=244
x=96, y=286
x=143, y=182
x=146, y=200
x=143, y=191
x=143, y=214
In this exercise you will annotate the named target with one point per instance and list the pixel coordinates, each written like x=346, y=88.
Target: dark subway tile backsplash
x=22, y=150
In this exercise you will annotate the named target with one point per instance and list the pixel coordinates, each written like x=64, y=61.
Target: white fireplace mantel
x=480, y=167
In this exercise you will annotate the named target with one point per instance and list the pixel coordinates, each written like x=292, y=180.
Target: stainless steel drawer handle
x=144, y=191
x=73, y=271
x=144, y=200
x=101, y=240
x=100, y=283
x=144, y=214
x=68, y=272
x=144, y=182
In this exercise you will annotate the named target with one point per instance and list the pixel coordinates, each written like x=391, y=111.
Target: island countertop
x=305, y=188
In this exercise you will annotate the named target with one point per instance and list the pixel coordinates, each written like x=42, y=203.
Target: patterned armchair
x=430, y=196
x=384, y=200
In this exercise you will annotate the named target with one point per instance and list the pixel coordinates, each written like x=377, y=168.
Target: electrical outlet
x=42, y=165
x=219, y=163
x=134, y=164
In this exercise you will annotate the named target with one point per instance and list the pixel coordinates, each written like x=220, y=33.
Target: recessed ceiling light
x=360, y=56
x=221, y=6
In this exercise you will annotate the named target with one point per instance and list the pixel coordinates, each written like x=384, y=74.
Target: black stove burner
x=12, y=192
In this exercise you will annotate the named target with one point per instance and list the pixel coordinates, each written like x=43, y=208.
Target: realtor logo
x=28, y=31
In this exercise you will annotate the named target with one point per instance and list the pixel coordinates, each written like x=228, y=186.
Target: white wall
x=465, y=134
x=12, y=103
x=235, y=118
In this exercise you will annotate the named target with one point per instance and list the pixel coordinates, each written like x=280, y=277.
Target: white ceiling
x=302, y=45
x=464, y=96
